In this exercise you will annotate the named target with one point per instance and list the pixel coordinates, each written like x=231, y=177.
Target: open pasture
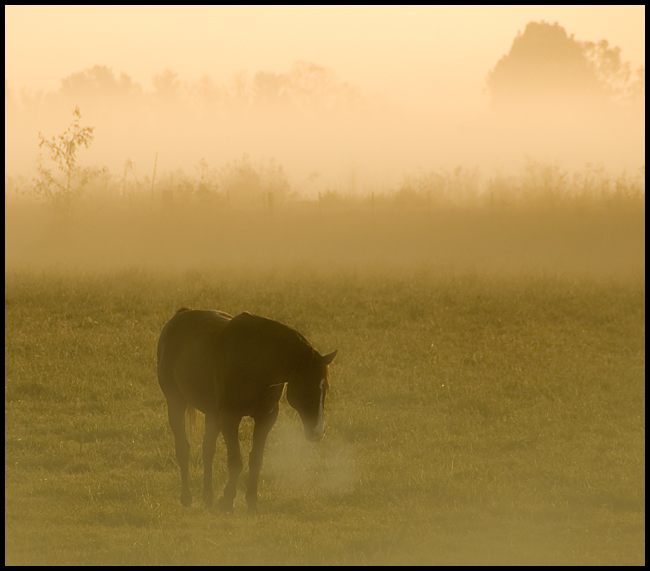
x=472, y=419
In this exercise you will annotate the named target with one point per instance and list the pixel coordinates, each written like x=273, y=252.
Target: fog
x=452, y=197
x=286, y=135
x=348, y=99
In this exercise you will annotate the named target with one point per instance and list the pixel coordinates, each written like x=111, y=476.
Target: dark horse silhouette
x=229, y=368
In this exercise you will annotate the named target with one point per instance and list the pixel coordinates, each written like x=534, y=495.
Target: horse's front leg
x=229, y=424
x=262, y=428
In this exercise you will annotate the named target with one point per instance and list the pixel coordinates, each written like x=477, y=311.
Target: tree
x=205, y=93
x=98, y=83
x=166, y=85
x=318, y=87
x=615, y=75
x=271, y=89
x=546, y=69
x=306, y=85
x=63, y=151
x=238, y=90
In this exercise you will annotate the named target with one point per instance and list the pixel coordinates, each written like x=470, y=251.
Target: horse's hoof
x=252, y=510
x=186, y=499
x=225, y=506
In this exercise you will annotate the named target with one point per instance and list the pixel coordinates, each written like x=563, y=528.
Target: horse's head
x=306, y=393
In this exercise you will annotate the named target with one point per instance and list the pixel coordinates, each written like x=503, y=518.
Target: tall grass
x=578, y=233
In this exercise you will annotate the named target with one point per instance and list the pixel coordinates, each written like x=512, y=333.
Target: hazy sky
x=390, y=51
x=420, y=70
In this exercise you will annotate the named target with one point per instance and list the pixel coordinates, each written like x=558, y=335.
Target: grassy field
x=474, y=417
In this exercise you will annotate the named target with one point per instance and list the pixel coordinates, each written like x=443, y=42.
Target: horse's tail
x=192, y=419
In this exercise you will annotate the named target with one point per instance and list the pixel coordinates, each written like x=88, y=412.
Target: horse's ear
x=327, y=359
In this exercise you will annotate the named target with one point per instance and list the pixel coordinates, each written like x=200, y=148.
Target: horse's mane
x=299, y=352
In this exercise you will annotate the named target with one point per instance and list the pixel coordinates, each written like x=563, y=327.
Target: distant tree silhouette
x=637, y=92
x=238, y=90
x=545, y=68
x=206, y=93
x=305, y=85
x=615, y=75
x=166, y=85
x=271, y=89
x=317, y=86
x=97, y=83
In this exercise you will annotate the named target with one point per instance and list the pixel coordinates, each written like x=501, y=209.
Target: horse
x=231, y=367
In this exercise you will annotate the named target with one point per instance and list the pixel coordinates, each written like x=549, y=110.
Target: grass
x=598, y=236
x=474, y=418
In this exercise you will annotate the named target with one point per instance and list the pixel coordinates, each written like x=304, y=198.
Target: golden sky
x=409, y=54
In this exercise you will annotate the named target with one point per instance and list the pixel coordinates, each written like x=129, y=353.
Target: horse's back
x=187, y=354
x=255, y=353
x=251, y=341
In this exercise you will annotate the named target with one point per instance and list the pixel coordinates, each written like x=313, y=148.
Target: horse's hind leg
x=176, y=409
x=229, y=423
x=209, y=447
